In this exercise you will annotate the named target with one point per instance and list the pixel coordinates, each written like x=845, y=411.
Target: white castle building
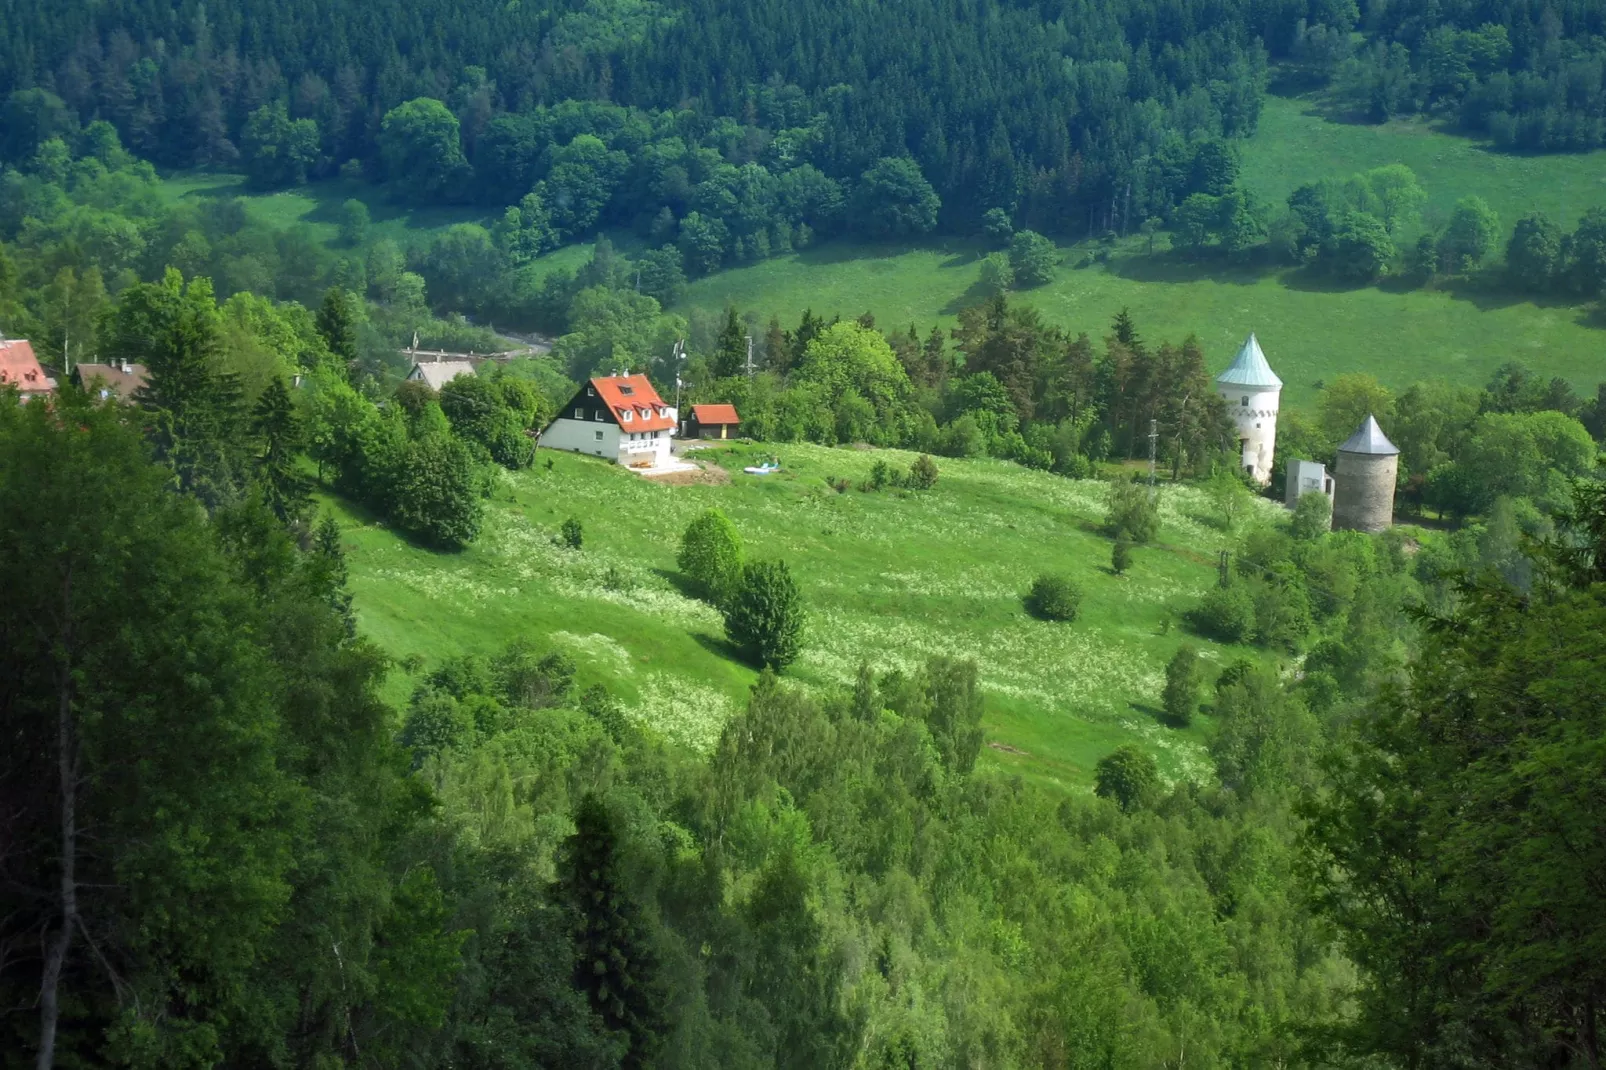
x=1251, y=390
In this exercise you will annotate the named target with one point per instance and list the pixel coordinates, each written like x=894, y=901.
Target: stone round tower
x=1251, y=390
x=1363, y=484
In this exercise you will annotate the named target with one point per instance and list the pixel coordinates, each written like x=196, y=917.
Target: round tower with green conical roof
x=1252, y=390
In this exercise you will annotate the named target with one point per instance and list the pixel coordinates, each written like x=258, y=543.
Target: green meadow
x=890, y=578
x=1311, y=331
x=317, y=206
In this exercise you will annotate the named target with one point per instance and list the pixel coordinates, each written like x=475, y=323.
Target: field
x=317, y=206
x=890, y=579
x=1310, y=331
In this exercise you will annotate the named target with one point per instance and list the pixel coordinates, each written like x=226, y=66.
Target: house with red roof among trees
x=619, y=417
x=713, y=421
x=19, y=368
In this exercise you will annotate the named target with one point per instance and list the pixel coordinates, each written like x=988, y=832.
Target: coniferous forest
x=229, y=838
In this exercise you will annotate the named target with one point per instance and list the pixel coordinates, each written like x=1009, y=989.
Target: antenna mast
x=749, y=356
x=1154, y=437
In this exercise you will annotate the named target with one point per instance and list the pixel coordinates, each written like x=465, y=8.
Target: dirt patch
x=1007, y=749
x=707, y=473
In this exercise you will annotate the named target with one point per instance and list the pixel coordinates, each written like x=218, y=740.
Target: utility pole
x=1154, y=438
x=749, y=356
x=1224, y=568
x=676, y=356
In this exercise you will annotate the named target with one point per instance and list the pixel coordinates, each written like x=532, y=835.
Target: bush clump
x=1227, y=614
x=1132, y=513
x=1054, y=597
x=764, y=617
x=1129, y=776
x=711, y=556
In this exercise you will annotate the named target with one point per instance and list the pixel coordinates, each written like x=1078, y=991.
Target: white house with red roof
x=20, y=368
x=620, y=417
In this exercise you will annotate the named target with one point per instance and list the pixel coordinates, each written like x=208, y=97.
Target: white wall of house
x=636, y=447
x=598, y=438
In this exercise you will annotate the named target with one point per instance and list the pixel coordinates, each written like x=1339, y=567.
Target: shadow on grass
x=1174, y=267
x=684, y=585
x=719, y=646
x=1156, y=714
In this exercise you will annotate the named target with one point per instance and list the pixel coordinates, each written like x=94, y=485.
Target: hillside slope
x=889, y=577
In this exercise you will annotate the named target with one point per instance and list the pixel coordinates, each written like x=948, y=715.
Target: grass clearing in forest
x=1311, y=330
x=889, y=578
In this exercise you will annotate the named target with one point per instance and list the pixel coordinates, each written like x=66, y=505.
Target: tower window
x=1245, y=401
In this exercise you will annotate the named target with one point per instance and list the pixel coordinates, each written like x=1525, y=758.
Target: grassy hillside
x=317, y=205
x=1294, y=145
x=1311, y=331
x=889, y=577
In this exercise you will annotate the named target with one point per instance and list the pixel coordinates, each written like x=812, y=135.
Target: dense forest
x=220, y=844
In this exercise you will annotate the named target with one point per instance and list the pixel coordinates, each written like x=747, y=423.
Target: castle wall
x=1363, y=491
x=1254, y=411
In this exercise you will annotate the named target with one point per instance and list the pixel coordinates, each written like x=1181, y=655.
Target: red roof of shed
x=634, y=394
x=20, y=368
x=715, y=414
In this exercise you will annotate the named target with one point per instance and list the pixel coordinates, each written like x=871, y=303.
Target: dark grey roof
x=1369, y=438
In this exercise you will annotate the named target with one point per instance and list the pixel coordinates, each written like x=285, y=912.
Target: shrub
x=1313, y=515
x=1127, y=775
x=1132, y=513
x=1226, y=614
x=1181, y=695
x=1121, y=556
x=923, y=473
x=711, y=555
x=764, y=617
x=1053, y=597
x=437, y=492
x=572, y=534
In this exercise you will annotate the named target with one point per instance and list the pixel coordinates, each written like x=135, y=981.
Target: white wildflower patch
x=685, y=711
x=1182, y=757
x=603, y=650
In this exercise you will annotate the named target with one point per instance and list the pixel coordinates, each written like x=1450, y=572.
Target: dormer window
x=626, y=390
x=628, y=416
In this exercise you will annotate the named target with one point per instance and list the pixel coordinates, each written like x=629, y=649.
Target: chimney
x=127, y=368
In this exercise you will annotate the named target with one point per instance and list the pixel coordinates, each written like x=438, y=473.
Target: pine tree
x=276, y=428
x=337, y=328
x=329, y=561
x=614, y=963
x=777, y=356
x=1126, y=332
x=192, y=406
x=730, y=351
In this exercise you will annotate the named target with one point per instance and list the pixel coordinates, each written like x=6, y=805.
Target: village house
x=110, y=382
x=619, y=417
x=20, y=368
x=712, y=421
x=437, y=373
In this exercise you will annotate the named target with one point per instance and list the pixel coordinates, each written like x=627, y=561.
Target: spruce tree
x=614, y=963
x=278, y=432
x=730, y=351
x=336, y=325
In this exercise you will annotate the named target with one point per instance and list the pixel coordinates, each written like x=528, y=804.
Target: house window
x=627, y=416
x=579, y=414
x=591, y=391
x=597, y=416
x=626, y=390
x=599, y=436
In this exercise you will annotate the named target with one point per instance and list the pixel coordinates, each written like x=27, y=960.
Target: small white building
x=437, y=373
x=1251, y=390
x=620, y=417
x=1305, y=477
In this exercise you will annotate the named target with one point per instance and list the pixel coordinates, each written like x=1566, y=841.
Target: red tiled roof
x=20, y=368
x=715, y=414
x=635, y=395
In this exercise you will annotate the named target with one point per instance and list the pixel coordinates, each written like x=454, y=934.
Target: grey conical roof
x=1369, y=438
x=1249, y=368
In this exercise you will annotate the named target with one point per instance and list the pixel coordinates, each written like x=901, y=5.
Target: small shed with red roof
x=712, y=421
x=619, y=417
x=19, y=368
